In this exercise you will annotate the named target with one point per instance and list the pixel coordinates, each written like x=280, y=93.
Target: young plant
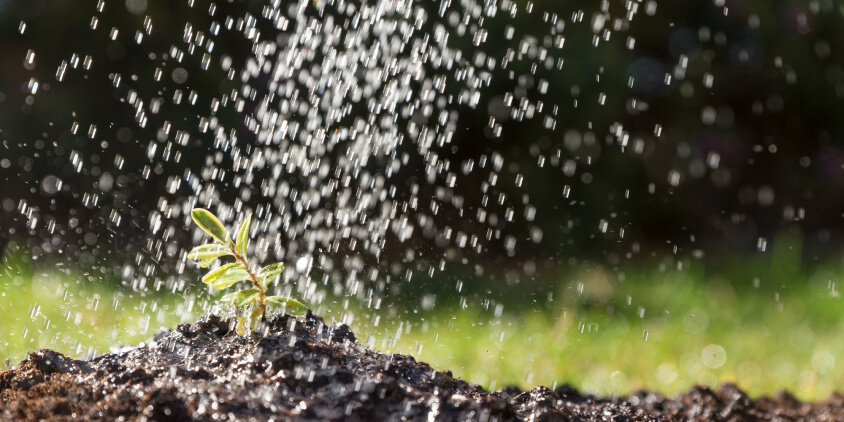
x=232, y=273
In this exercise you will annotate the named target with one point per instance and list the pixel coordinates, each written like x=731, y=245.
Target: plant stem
x=262, y=291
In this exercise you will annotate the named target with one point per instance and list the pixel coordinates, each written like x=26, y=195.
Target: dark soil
x=304, y=370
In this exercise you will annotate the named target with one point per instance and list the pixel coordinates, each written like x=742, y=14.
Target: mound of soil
x=305, y=370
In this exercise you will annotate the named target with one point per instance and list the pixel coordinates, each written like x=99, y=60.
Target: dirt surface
x=304, y=370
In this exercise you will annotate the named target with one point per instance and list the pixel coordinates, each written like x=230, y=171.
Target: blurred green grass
x=64, y=310
x=677, y=331
x=760, y=325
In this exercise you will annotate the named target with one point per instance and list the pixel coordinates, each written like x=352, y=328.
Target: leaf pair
x=207, y=254
x=290, y=306
x=267, y=273
x=209, y=223
x=241, y=298
x=226, y=275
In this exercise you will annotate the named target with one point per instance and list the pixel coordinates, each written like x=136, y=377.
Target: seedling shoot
x=252, y=300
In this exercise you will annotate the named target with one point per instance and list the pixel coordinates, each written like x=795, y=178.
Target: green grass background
x=763, y=324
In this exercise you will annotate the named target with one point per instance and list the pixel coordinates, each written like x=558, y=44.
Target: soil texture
x=303, y=370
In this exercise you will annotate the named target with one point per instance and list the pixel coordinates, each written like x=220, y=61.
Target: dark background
x=771, y=119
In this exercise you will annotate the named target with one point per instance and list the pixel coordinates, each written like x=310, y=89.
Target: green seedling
x=227, y=275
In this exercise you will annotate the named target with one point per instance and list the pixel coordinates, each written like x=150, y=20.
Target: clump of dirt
x=305, y=370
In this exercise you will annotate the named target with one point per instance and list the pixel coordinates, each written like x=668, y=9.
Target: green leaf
x=206, y=254
x=230, y=277
x=217, y=272
x=211, y=224
x=205, y=263
x=230, y=297
x=271, y=270
x=242, y=325
x=240, y=298
x=226, y=275
x=291, y=306
x=242, y=236
x=256, y=317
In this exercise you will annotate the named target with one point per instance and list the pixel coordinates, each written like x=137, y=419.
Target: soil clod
x=306, y=370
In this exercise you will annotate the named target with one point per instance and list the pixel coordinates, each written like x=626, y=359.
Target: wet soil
x=305, y=370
